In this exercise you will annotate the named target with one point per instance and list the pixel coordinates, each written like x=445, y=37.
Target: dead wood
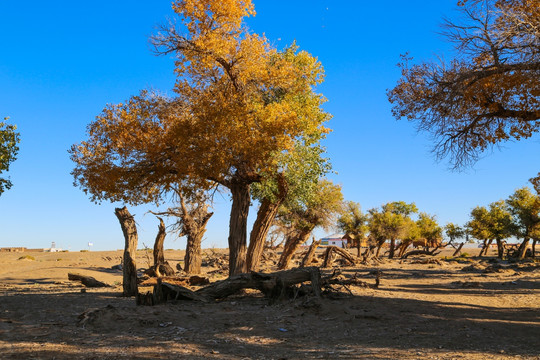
x=129, y=228
x=308, y=258
x=422, y=252
x=178, y=280
x=275, y=286
x=328, y=256
x=87, y=281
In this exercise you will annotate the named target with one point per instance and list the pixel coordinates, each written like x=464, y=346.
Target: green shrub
x=27, y=257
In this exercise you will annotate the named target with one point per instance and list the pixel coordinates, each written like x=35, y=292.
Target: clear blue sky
x=62, y=61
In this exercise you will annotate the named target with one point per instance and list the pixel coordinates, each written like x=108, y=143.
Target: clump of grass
x=84, y=250
x=27, y=257
x=464, y=255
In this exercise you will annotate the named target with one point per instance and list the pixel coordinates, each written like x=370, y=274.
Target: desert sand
x=448, y=308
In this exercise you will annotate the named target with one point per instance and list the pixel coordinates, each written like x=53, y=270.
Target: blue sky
x=62, y=61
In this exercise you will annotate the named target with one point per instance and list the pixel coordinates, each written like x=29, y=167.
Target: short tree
x=354, y=224
x=524, y=206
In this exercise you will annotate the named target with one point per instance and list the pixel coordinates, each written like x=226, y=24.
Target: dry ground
x=453, y=309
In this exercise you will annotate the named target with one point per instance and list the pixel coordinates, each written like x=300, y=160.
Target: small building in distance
x=334, y=240
x=53, y=248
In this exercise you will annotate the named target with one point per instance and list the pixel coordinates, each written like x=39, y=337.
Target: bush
x=84, y=250
x=464, y=255
x=27, y=257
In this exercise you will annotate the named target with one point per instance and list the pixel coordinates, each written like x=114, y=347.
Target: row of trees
x=518, y=216
x=391, y=222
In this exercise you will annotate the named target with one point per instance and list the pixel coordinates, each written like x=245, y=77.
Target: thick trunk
x=308, y=259
x=291, y=245
x=359, y=248
x=523, y=249
x=403, y=248
x=129, y=229
x=238, y=227
x=193, y=258
x=500, y=249
x=159, y=256
x=533, y=248
x=379, y=246
x=392, y=248
x=265, y=216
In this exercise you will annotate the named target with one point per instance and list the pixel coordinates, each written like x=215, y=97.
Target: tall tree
x=9, y=138
x=301, y=216
x=237, y=103
x=489, y=92
x=354, y=224
x=524, y=206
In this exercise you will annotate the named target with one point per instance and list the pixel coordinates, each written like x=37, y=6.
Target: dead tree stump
x=129, y=269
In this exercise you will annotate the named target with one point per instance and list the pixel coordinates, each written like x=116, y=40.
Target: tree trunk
x=265, y=216
x=379, y=246
x=308, y=259
x=129, y=229
x=458, y=249
x=485, y=248
x=533, y=248
x=159, y=256
x=359, y=248
x=500, y=249
x=392, y=248
x=238, y=227
x=328, y=256
x=291, y=245
x=193, y=258
x=523, y=249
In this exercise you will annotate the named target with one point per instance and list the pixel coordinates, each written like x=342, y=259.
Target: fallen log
x=275, y=286
x=422, y=252
x=87, y=281
x=328, y=256
x=177, y=280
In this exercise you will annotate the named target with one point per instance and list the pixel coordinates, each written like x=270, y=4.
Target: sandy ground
x=452, y=309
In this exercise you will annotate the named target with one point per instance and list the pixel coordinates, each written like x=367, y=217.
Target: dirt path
x=420, y=311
